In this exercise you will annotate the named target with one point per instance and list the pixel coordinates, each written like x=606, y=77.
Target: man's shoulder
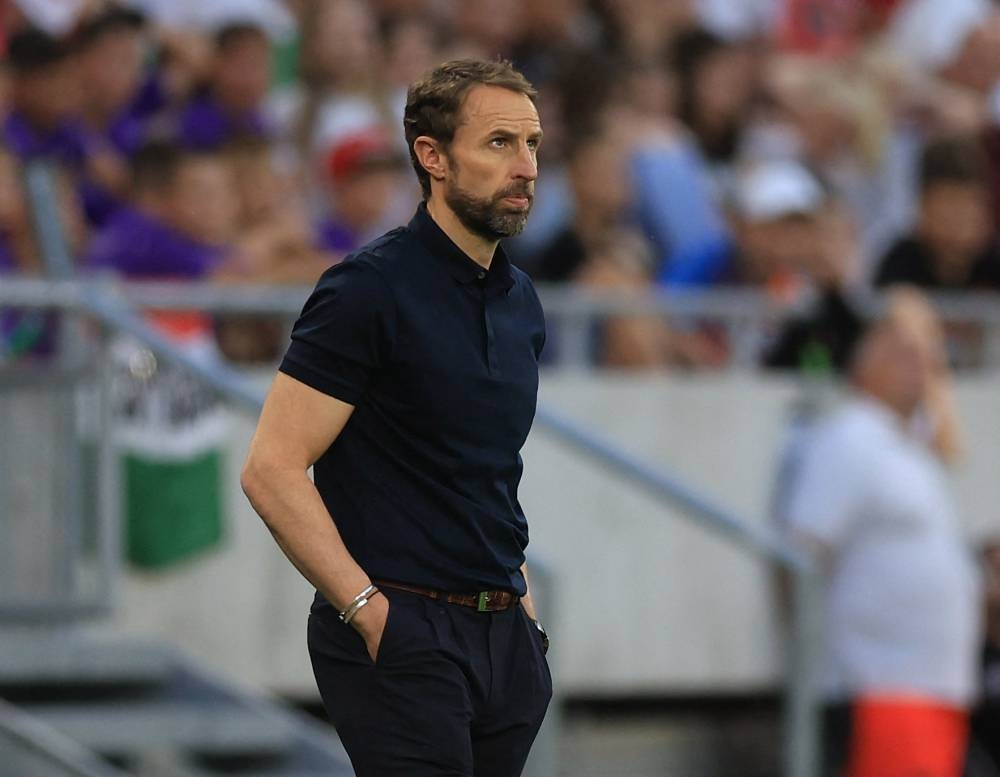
x=521, y=278
x=387, y=254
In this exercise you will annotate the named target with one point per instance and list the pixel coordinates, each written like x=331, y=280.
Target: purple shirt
x=125, y=135
x=335, y=237
x=138, y=246
x=204, y=125
x=68, y=143
x=7, y=263
x=128, y=130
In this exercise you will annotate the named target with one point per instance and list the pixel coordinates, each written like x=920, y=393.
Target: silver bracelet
x=349, y=615
x=357, y=603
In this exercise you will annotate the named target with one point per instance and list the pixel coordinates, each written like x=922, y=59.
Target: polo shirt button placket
x=491, y=351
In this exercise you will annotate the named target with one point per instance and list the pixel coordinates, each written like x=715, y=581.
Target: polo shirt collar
x=462, y=267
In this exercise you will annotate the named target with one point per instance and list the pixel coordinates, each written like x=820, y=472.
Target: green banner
x=170, y=433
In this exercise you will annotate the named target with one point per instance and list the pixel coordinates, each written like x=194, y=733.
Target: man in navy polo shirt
x=410, y=388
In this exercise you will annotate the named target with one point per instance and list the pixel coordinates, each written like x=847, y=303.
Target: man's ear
x=431, y=157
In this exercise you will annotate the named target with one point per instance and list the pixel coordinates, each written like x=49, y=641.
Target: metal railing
x=112, y=307
x=29, y=747
x=746, y=316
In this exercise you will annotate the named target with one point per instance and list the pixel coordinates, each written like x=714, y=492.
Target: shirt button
x=481, y=274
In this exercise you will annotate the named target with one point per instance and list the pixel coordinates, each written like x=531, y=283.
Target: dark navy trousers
x=454, y=692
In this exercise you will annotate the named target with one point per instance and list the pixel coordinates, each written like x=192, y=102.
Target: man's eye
x=498, y=142
x=532, y=144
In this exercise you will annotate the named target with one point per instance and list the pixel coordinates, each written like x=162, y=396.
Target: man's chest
x=465, y=365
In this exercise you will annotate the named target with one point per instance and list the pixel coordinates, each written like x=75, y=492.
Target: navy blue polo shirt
x=440, y=359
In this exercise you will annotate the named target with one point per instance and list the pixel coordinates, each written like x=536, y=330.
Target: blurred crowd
x=807, y=148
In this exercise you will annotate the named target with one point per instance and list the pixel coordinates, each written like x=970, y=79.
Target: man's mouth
x=521, y=200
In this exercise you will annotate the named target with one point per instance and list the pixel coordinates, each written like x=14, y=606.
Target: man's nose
x=526, y=166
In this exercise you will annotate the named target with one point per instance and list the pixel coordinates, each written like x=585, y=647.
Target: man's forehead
x=489, y=105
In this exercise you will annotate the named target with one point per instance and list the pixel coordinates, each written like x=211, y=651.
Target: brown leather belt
x=483, y=601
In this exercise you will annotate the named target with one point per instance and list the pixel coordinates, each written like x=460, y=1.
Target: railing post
x=803, y=701
x=109, y=487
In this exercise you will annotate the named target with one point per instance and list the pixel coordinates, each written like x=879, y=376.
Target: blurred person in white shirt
x=901, y=611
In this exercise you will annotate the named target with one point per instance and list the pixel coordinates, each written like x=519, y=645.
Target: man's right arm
x=297, y=425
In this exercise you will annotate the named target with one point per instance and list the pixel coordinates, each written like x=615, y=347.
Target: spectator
x=490, y=27
x=366, y=176
x=957, y=41
x=839, y=117
x=717, y=85
x=599, y=251
x=953, y=245
x=45, y=101
x=620, y=261
x=834, y=28
x=109, y=64
x=822, y=339
x=599, y=189
x=231, y=103
x=901, y=615
x=272, y=218
x=776, y=217
x=603, y=94
x=412, y=46
x=181, y=223
x=549, y=33
x=639, y=29
x=340, y=73
x=275, y=239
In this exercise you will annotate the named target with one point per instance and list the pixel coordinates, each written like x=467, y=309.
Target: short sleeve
x=827, y=492
x=345, y=333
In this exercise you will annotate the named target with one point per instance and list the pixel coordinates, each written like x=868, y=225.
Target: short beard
x=488, y=218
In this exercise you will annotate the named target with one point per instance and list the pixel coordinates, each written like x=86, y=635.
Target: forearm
x=294, y=512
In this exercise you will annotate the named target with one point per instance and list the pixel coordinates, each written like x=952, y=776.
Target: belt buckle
x=484, y=601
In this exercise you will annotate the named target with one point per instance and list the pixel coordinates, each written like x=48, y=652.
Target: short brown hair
x=434, y=103
x=954, y=159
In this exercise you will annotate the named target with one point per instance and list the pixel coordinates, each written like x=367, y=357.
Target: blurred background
x=727, y=189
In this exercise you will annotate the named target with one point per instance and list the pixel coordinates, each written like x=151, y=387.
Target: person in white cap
x=774, y=214
x=957, y=40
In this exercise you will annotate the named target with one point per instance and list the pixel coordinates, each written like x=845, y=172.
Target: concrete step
x=130, y=728
x=29, y=747
x=26, y=660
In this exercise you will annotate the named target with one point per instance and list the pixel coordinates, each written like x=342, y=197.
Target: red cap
x=360, y=150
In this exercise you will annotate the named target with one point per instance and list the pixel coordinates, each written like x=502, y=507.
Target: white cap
x=930, y=33
x=777, y=188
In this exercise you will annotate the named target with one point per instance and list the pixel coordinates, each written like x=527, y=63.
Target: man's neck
x=478, y=248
